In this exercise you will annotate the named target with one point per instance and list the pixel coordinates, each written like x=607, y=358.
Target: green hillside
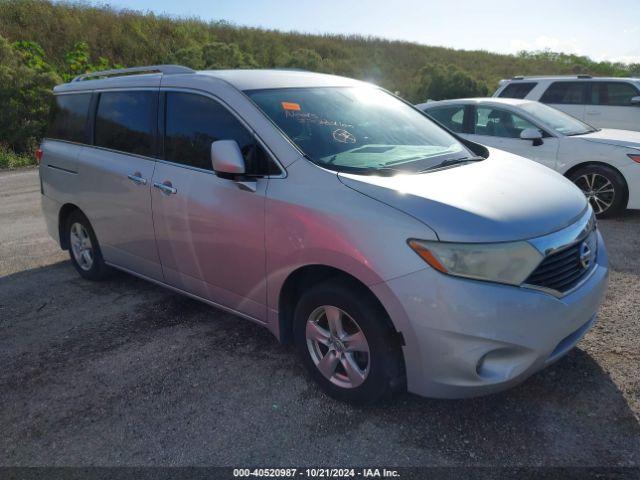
x=42, y=43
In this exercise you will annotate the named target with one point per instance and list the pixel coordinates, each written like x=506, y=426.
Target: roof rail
x=584, y=75
x=518, y=77
x=164, y=69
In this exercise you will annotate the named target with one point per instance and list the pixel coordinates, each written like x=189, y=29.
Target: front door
x=209, y=230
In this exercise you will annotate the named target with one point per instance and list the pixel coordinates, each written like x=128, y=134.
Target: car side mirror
x=228, y=162
x=532, y=134
x=635, y=100
x=226, y=158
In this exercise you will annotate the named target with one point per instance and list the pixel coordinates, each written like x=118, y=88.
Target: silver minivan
x=392, y=253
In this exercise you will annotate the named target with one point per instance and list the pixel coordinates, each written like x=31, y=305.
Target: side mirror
x=226, y=158
x=635, y=100
x=228, y=162
x=532, y=134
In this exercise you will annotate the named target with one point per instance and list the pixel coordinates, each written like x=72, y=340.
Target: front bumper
x=465, y=338
x=631, y=173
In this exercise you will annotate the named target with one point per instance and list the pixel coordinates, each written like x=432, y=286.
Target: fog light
x=504, y=363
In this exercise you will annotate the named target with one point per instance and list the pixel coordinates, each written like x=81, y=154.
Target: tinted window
x=69, y=117
x=565, y=93
x=496, y=122
x=193, y=122
x=517, y=90
x=613, y=93
x=450, y=117
x=125, y=121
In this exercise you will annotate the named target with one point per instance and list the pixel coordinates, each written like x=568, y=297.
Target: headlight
x=509, y=263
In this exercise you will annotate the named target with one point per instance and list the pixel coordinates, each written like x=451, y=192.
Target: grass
x=9, y=159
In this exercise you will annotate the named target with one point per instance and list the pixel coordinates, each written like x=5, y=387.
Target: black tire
x=593, y=177
x=98, y=270
x=385, y=364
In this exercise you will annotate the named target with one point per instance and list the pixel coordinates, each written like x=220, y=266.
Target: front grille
x=562, y=270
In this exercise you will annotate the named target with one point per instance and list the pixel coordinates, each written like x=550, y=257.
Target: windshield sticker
x=291, y=106
x=343, y=136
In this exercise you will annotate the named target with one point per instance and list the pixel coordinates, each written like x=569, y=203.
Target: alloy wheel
x=598, y=189
x=338, y=346
x=81, y=246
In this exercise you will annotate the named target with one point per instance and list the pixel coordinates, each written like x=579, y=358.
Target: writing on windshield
x=357, y=128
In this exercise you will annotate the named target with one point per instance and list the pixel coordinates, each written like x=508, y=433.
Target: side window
x=566, y=93
x=495, y=122
x=193, y=122
x=69, y=117
x=451, y=117
x=517, y=89
x=613, y=93
x=126, y=121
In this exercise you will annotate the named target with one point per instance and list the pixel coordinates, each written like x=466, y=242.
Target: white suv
x=601, y=102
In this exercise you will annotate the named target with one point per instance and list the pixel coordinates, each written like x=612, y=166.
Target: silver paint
x=215, y=240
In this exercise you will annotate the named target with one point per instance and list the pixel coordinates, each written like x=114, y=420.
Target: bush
x=25, y=96
x=10, y=159
x=437, y=82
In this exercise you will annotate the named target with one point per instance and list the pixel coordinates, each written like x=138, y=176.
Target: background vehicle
x=330, y=212
x=604, y=164
x=602, y=102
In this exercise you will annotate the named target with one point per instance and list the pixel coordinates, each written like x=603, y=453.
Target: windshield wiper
x=383, y=171
x=453, y=161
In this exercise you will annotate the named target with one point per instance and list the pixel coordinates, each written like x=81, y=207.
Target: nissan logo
x=585, y=255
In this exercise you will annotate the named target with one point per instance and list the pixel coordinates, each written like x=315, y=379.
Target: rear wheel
x=84, y=249
x=344, y=340
x=604, y=187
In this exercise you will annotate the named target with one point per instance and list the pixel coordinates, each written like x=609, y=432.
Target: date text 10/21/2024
x=316, y=472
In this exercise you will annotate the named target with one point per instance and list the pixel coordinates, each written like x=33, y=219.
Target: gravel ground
x=127, y=373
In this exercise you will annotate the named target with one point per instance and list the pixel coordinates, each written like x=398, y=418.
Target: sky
x=601, y=30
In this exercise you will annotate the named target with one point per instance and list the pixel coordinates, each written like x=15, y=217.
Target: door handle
x=137, y=178
x=166, y=188
x=593, y=113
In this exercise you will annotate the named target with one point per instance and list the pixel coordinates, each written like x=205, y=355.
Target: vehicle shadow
x=122, y=372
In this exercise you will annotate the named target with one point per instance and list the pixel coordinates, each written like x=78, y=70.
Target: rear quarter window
x=517, y=90
x=69, y=117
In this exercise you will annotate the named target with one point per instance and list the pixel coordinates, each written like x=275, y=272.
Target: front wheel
x=604, y=187
x=346, y=343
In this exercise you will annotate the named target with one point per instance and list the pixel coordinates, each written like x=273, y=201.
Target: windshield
x=559, y=121
x=359, y=129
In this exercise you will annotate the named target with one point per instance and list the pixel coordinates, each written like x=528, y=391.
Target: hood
x=503, y=198
x=610, y=136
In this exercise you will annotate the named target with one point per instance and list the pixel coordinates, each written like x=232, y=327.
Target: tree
x=32, y=54
x=225, y=55
x=25, y=96
x=437, y=82
x=78, y=61
x=305, y=59
x=190, y=56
